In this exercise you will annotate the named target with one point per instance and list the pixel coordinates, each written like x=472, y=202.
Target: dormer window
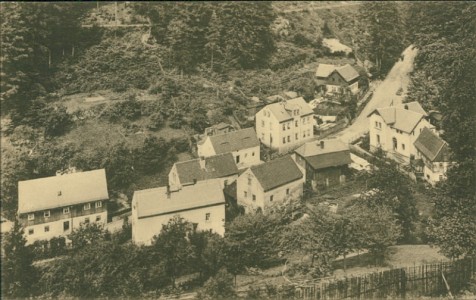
x=31, y=217
x=98, y=204
x=66, y=210
x=59, y=193
x=46, y=213
x=87, y=206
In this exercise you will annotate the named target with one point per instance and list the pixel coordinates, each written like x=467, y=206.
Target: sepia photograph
x=238, y=150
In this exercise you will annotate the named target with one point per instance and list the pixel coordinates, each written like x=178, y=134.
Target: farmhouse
x=435, y=154
x=324, y=163
x=242, y=144
x=54, y=206
x=221, y=166
x=273, y=182
x=285, y=125
x=202, y=204
x=337, y=78
x=395, y=129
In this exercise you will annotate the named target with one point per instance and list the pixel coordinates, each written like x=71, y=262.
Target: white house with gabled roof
x=285, y=125
x=54, y=206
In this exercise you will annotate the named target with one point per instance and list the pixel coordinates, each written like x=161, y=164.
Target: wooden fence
x=425, y=280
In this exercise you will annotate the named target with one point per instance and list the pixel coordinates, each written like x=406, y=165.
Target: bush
x=219, y=286
x=180, y=144
x=157, y=121
x=57, y=121
x=129, y=110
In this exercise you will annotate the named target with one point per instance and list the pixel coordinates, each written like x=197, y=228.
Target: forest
x=196, y=65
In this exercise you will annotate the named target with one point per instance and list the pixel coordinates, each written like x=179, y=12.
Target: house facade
x=242, y=144
x=395, y=129
x=285, y=125
x=324, y=163
x=202, y=204
x=263, y=186
x=435, y=154
x=55, y=206
x=221, y=166
x=337, y=79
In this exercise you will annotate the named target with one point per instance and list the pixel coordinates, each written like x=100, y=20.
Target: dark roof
x=334, y=153
x=277, y=172
x=432, y=146
x=216, y=166
x=234, y=141
x=347, y=72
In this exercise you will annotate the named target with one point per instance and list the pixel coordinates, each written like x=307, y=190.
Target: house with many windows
x=221, y=166
x=395, y=129
x=324, y=163
x=242, y=144
x=276, y=181
x=435, y=155
x=54, y=206
x=285, y=125
x=336, y=79
x=202, y=204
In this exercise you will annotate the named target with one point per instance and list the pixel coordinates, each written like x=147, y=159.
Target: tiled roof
x=276, y=172
x=432, y=146
x=57, y=191
x=155, y=201
x=346, y=71
x=404, y=117
x=216, y=166
x=282, y=111
x=234, y=141
x=334, y=153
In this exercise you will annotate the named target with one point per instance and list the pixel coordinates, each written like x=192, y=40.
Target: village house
x=219, y=129
x=285, y=125
x=221, y=166
x=395, y=129
x=202, y=204
x=435, y=154
x=337, y=78
x=54, y=206
x=242, y=144
x=324, y=163
x=276, y=181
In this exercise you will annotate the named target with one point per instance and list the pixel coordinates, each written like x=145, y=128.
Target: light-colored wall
x=269, y=126
x=143, y=230
x=248, y=157
x=173, y=177
x=206, y=149
x=354, y=87
x=433, y=171
x=263, y=198
x=56, y=227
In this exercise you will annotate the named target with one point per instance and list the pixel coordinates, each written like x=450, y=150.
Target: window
x=284, y=140
x=308, y=132
x=86, y=220
x=207, y=217
x=30, y=231
x=403, y=146
x=284, y=127
x=289, y=125
x=262, y=123
x=297, y=136
x=441, y=165
x=46, y=213
x=253, y=153
x=394, y=140
x=254, y=197
x=378, y=139
x=31, y=217
x=98, y=218
x=262, y=136
x=87, y=206
x=376, y=124
x=66, y=210
x=296, y=123
x=65, y=225
x=98, y=204
x=287, y=191
x=304, y=134
x=289, y=138
x=249, y=180
x=271, y=198
x=47, y=228
x=246, y=194
x=237, y=159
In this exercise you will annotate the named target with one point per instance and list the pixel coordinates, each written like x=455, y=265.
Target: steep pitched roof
x=347, y=72
x=216, y=166
x=432, y=146
x=324, y=70
x=153, y=202
x=282, y=111
x=57, y=191
x=335, y=153
x=276, y=172
x=404, y=117
x=234, y=141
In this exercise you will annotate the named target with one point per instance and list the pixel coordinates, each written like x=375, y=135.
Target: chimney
x=322, y=144
x=406, y=106
x=168, y=191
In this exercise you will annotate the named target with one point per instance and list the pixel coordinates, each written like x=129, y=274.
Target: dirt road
x=313, y=7
x=383, y=96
